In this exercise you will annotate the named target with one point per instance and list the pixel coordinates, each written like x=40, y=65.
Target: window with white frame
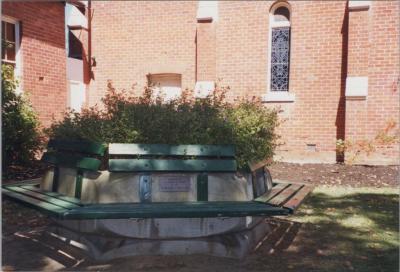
x=9, y=41
x=279, y=47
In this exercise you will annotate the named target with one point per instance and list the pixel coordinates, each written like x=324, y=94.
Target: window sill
x=278, y=97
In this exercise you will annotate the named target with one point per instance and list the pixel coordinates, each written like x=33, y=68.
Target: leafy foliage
x=20, y=132
x=386, y=137
x=150, y=118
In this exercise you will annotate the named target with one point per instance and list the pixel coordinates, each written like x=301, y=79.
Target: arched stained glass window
x=279, y=47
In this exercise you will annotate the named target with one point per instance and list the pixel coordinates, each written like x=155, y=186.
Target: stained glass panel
x=280, y=58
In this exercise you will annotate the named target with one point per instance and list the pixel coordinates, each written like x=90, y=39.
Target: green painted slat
x=283, y=196
x=35, y=181
x=275, y=191
x=154, y=165
x=172, y=150
x=78, y=146
x=73, y=161
x=202, y=187
x=174, y=210
x=45, y=207
x=42, y=197
x=53, y=194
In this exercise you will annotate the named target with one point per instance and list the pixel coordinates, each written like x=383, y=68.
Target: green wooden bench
x=270, y=198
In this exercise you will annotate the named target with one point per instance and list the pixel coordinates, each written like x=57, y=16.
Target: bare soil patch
x=337, y=174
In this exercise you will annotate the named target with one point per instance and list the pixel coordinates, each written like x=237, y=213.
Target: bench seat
x=283, y=199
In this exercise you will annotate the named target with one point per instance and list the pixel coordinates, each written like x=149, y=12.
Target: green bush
x=150, y=119
x=21, y=137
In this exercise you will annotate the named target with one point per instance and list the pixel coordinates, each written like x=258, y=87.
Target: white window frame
x=18, y=55
x=272, y=96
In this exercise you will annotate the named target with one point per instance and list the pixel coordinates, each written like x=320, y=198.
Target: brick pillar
x=205, y=57
x=207, y=15
x=357, y=71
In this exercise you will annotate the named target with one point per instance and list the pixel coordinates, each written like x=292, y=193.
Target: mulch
x=337, y=174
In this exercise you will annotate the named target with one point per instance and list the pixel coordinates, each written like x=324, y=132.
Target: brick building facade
x=340, y=62
x=39, y=53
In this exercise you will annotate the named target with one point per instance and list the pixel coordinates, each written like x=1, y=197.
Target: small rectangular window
x=8, y=40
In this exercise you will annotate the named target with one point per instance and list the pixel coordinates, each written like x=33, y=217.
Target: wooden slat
x=260, y=164
x=48, y=208
x=283, y=196
x=174, y=210
x=275, y=191
x=42, y=197
x=298, y=198
x=78, y=146
x=73, y=161
x=154, y=165
x=53, y=194
x=172, y=150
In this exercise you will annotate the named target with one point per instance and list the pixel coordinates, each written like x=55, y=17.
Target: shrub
x=186, y=120
x=21, y=137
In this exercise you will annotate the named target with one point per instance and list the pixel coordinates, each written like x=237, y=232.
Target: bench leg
x=55, y=179
x=78, y=184
x=202, y=187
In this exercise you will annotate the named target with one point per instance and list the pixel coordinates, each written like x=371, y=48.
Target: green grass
x=350, y=229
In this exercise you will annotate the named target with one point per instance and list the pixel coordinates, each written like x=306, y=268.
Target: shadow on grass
x=353, y=232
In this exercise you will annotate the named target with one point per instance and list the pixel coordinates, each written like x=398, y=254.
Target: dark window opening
x=75, y=49
x=281, y=14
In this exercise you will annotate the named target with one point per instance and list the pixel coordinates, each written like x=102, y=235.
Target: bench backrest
x=73, y=154
x=171, y=158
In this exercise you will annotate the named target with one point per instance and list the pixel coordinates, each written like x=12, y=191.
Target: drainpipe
x=90, y=39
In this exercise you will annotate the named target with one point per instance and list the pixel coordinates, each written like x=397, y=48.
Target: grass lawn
x=349, y=229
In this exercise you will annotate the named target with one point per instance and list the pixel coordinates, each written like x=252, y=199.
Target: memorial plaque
x=174, y=184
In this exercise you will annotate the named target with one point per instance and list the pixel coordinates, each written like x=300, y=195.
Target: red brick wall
x=374, y=52
x=43, y=55
x=315, y=67
x=132, y=39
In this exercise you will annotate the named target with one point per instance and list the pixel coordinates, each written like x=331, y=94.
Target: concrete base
x=100, y=247
x=160, y=228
